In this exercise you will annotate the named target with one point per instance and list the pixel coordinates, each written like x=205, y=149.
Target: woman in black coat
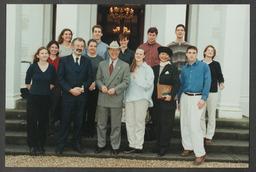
x=163, y=111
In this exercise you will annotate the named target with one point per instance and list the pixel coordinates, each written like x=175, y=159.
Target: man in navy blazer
x=75, y=75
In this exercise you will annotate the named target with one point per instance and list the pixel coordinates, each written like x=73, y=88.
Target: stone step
x=217, y=146
x=220, y=133
x=220, y=123
x=21, y=104
x=146, y=155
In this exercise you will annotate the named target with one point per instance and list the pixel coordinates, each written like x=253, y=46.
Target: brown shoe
x=186, y=153
x=199, y=160
x=208, y=141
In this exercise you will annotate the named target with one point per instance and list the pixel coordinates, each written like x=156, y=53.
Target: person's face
x=151, y=37
x=43, y=55
x=180, y=32
x=209, y=52
x=67, y=36
x=78, y=47
x=92, y=47
x=164, y=57
x=53, y=49
x=97, y=34
x=114, y=52
x=191, y=55
x=139, y=55
x=124, y=42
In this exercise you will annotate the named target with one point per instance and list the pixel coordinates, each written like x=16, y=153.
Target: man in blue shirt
x=195, y=81
x=101, y=46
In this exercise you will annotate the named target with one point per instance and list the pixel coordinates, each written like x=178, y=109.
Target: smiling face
x=210, y=52
x=152, y=37
x=78, y=47
x=191, y=55
x=180, y=32
x=97, y=34
x=124, y=42
x=53, y=49
x=92, y=47
x=67, y=36
x=139, y=55
x=43, y=55
x=164, y=57
x=113, y=52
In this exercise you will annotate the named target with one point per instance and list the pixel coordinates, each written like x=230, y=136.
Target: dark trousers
x=68, y=107
x=55, y=110
x=163, y=121
x=37, y=119
x=90, y=110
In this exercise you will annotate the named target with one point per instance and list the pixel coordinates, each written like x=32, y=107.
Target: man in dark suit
x=112, y=79
x=75, y=75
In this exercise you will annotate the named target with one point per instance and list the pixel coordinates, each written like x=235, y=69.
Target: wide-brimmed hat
x=165, y=50
x=114, y=45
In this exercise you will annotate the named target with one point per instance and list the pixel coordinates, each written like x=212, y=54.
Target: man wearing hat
x=113, y=77
x=163, y=111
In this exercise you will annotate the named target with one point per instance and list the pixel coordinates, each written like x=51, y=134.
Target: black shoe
x=137, y=152
x=129, y=150
x=33, y=151
x=58, y=150
x=160, y=154
x=115, y=151
x=79, y=150
x=99, y=149
x=41, y=149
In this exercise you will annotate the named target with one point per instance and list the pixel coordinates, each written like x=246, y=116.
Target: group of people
x=69, y=79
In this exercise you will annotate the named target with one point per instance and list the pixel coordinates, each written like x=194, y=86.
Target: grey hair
x=79, y=39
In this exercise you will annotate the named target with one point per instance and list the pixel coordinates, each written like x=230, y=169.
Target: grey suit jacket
x=119, y=80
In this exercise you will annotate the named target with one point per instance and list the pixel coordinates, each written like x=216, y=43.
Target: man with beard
x=75, y=76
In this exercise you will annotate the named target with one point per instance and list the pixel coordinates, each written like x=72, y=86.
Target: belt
x=193, y=94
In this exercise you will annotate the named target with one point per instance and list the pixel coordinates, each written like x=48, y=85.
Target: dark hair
x=153, y=30
x=210, y=46
x=133, y=65
x=92, y=40
x=60, y=39
x=97, y=26
x=192, y=47
x=35, y=59
x=50, y=44
x=79, y=39
x=123, y=36
x=180, y=25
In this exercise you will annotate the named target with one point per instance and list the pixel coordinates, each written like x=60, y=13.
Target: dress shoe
x=186, y=153
x=199, y=160
x=207, y=141
x=99, y=149
x=129, y=150
x=33, y=151
x=161, y=153
x=41, y=149
x=115, y=151
x=79, y=150
x=137, y=152
x=58, y=150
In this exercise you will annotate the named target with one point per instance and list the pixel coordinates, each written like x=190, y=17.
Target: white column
x=13, y=51
x=235, y=30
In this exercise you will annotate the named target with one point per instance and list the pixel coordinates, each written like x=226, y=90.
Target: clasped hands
x=76, y=91
x=109, y=92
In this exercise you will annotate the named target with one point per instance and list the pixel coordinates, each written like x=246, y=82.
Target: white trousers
x=211, y=105
x=135, y=122
x=190, y=117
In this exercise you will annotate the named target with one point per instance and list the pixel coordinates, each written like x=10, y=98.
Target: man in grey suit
x=113, y=77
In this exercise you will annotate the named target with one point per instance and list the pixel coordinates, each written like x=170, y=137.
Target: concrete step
x=220, y=133
x=146, y=155
x=21, y=104
x=220, y=123
x=217, y=146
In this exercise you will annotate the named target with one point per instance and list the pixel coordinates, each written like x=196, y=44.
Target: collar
x=151, y=44
x=114, y=63
x=195, y=63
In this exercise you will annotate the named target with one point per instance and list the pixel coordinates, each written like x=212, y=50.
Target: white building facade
x=30, y=26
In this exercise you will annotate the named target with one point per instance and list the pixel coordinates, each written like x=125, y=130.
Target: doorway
x=134, y=25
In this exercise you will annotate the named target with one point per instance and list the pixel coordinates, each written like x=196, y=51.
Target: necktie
x=111, y=68
x=77, y=65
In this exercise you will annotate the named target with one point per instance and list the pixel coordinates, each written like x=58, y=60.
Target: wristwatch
x=82, y=88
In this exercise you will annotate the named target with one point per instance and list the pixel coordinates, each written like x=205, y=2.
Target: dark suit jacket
x=168, y=76
x=68, y=76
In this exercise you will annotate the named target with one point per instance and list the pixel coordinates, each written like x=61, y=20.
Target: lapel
x=157, y=72
x=115, y=71
x=164, y=69
x=73, y=64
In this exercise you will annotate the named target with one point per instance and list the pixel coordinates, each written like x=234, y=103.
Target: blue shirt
x=114, y=62
x=195, y=78
x=101, y=50
x=142, y=86
x=41, y=81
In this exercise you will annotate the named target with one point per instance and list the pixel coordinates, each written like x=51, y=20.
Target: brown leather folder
x=164, y=90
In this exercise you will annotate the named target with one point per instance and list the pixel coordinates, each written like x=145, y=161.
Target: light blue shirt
x=101, y=50
x=142, y=86
x=114, y=63
x=195, y=78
